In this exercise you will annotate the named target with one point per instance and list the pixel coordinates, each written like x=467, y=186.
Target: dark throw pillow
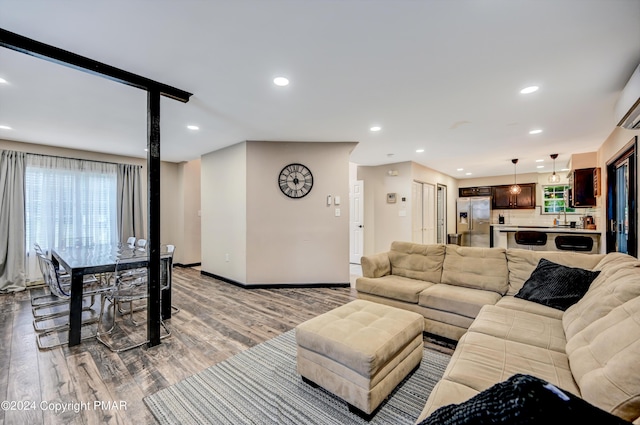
x=522, y=400
x=555, y=285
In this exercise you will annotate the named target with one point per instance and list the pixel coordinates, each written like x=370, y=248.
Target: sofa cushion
x=522, y=400
x=604, y=360
x=481, y=360
x=555, y=285
x=456, y=299
x=445, y=392
x=479, y=268
x=514, y=303
x=520, y=326
x=391, y=286
x=618, y=282
x=522, y=262
x=416, y=261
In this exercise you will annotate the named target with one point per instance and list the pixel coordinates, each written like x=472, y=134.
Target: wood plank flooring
x=89, y=384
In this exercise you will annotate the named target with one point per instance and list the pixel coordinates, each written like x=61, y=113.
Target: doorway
x=622, y=212
x=423, y=213
x=356, y=221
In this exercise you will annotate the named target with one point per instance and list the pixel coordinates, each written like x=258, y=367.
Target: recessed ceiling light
x=540, y=166
x=467, y=174
x=539, y=160
x=460, y=169
x=146, y=150
x=375, y=128
x=419, y=150
x=281, y=81
x=5, y=127
x=529, y=89
x=536, y=131
x=565, y=169
x=193, y=127
x=3, y=81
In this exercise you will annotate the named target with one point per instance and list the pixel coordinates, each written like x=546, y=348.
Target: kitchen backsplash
x=535, y=218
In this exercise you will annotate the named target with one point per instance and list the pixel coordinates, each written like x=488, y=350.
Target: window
x=68, y=203
x=555, y=200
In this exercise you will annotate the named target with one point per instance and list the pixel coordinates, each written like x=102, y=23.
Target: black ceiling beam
x=31, y=47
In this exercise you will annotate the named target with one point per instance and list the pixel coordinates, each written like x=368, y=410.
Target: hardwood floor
x=217, y=320
x=88, y=384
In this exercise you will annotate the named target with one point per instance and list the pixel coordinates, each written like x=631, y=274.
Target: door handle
x=360, y=226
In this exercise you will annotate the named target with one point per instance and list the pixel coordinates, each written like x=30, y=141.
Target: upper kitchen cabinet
x=503, y=199
x=585, y=185
x=475, y=191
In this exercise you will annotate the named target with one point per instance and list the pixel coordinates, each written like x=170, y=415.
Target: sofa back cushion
x=617, y=283
x=604, y=359
x=478, y=268
x=522, y=263
x=417, y=261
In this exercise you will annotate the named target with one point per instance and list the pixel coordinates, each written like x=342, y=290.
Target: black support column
x=153, y=216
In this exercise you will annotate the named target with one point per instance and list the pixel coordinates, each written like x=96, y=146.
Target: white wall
x=297, y=240
x=224, y=212
x=189, y=238
x=384, y=222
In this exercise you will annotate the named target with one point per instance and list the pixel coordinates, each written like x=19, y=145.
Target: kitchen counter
x=550, y=229
x=503, y=235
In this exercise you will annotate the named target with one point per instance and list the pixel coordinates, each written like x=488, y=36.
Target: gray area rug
x=261, y=386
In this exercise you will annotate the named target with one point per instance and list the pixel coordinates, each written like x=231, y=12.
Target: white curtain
x=68, y=202
x=12, y=258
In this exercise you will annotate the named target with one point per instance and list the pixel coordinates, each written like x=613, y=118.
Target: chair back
x=51, y=278
x=131, y=240
x=142, y=243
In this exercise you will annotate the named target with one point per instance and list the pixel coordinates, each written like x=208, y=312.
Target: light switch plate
x=337, y=212
x=336, y=200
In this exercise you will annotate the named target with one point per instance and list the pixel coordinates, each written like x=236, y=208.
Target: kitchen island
x=558, y=238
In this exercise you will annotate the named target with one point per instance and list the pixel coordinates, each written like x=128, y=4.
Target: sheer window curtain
x=129, y=202
x=69, y=202
x=12, y=223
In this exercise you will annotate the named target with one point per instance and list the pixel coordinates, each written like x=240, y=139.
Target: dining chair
x=131, y=240
x=167, y=274
x=141, y=243
x=62, y=291
x=124, y=289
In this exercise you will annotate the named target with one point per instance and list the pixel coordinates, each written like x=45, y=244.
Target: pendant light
x=515, y=189
x=554, y=178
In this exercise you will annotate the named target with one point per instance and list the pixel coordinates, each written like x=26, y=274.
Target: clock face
x=295, y=180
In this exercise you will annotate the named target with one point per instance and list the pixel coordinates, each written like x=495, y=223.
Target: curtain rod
x=80, y=159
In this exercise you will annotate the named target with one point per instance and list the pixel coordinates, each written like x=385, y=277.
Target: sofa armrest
x=376, y=265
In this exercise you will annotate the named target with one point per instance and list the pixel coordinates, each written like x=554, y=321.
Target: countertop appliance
x=474, y=221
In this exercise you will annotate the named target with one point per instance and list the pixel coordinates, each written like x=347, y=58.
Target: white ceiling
x=439, y=75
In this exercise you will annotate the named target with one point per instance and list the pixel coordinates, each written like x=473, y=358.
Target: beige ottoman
x=360, y=351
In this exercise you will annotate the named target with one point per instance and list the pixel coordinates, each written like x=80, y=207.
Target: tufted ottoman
x=360, y=351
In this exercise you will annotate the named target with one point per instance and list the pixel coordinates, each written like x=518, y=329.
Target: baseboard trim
x=275, y=285
x=186, y=266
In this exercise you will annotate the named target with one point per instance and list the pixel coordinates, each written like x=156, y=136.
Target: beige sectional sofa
x=467, y=294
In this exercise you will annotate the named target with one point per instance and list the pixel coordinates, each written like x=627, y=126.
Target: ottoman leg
x=366, y=416
x=309, y=382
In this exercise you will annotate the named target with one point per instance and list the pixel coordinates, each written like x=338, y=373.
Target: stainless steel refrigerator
x=474, y=221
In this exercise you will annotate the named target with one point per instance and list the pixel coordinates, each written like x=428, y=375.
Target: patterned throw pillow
x=522, y=400
x=555, y=285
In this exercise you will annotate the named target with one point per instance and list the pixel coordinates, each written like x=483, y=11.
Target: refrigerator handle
x=470, y=217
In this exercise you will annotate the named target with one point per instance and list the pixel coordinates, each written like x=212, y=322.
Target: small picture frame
x=391, y=198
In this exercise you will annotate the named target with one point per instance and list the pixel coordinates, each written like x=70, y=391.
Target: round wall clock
x=295, y=180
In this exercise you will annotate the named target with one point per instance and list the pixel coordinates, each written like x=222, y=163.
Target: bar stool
x=574, y=243
x=531, y=238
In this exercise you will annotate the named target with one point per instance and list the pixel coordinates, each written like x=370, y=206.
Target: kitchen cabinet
x=503, y=199
x=584, y=184
x=475, y=191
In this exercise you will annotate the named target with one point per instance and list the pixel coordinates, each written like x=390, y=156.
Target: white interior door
x=416, y=212
x=428, y=213
x=356, y=221
x=423, y=213
x=441, y=214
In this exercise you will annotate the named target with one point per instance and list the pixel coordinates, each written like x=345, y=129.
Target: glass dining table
x=96, y=259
